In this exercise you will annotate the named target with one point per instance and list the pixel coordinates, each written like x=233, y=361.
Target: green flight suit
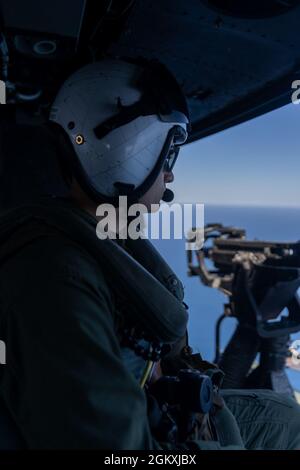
x=65, y=382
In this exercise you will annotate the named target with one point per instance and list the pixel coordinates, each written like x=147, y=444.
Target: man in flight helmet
x=125, y=123
x=91, y=324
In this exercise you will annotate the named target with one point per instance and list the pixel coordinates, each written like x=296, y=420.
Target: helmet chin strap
x=168, y=196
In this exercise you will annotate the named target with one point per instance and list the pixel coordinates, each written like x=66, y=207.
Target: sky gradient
x=255, y=163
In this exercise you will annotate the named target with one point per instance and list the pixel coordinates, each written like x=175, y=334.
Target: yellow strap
x=146, y=373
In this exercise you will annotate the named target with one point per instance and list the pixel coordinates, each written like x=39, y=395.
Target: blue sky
x=255, y=163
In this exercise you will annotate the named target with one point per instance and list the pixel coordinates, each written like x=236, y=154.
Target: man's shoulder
x=39, y=249
x=59, y=250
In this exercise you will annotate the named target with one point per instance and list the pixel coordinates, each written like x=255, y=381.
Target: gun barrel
x=280, y=248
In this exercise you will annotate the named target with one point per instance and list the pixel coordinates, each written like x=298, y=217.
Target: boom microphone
x=168, y=195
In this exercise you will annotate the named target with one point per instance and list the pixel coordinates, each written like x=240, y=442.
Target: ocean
x=206, y=304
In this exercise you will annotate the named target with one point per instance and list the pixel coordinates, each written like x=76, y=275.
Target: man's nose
x=169, y=176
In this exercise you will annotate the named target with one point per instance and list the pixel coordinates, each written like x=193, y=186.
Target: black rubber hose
x=274, y=352
x=271, y=373
x=238, y=356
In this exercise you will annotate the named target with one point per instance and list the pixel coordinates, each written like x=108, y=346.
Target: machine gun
x=260, y=279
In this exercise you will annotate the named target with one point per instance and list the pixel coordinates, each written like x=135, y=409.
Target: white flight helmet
x=125, y=121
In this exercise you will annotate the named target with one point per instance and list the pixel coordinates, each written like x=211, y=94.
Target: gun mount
x=261, y=280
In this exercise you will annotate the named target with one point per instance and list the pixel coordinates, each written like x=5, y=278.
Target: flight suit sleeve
x=65, y=382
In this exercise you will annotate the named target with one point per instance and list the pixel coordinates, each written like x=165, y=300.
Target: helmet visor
x=161, y=96
x=165, y=93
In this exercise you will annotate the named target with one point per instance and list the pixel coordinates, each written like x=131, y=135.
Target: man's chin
x=155, y=207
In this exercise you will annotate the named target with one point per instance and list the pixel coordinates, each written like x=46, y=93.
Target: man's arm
x=64, y=381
